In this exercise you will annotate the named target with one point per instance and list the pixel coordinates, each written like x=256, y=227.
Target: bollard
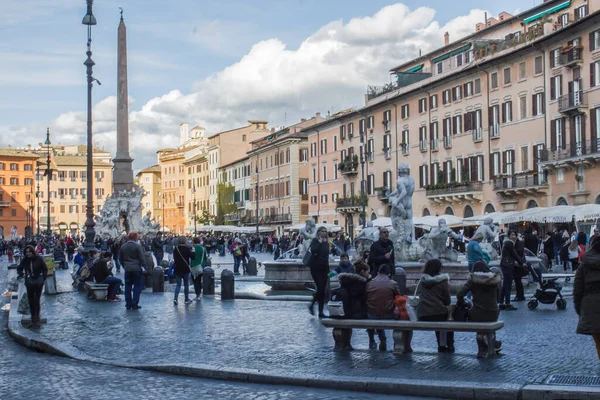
x=251, y=267
x=227, y=285
x=400, y=278
x=158, y=280
x=208, y=282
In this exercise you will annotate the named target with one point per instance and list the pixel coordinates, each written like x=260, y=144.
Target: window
x=581, y=12
x=555, y=87
x=350, y=129
x=28, y=167
x=387, y=120
x=563, y=19
x=495, y=164
x=405, y=141
x=457, y=125
x=524, y=158
x=447, y=132
x=28, y=181
x=14, y=166
x=423, y=176
x=422, y=105
x=387, y=144
x=507, y=78
x=324, y=198
x=371, y=184
x=314, y=174
x=334, y=197
x=494, y=78
x=371, y=148
x=538, y=66
x=459, y=60
x=362, y=124
x=522, y=71
x=537, y=104
x=446, y=96
x=523, y=107
x=313, y=150
x=433, y=129
x=477, y=85
x=595, y=40
x=456, y=93
x=423, y=138
x=324, y=175
x=468, y=89
x=14, y=181
x=555, y=58
x=405, y=111
x=595, y=74
x=387, y=179
x=439, y=68
x=323, y=146
x=335, y=145
x=13, y=212
x=433, y=101
x=371, y=122
x=336, y=167
x=507, y=112
x=343, y=132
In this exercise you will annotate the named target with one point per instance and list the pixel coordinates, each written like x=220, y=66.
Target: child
x=344, y=267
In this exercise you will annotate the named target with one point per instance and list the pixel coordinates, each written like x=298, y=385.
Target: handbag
x=171, y=271
x=307, y=257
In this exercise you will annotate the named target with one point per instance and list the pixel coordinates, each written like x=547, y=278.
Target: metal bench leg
x=338, y=337
x=485, y=344
x=402, y=341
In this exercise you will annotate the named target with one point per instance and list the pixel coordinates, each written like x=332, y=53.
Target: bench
x=96, y=291
x=402, y=332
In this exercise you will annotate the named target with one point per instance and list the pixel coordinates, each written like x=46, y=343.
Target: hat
x=481, y=266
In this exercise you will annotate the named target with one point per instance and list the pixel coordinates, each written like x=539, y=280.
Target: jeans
x=159, y=257
x=132, y=278
x=198, y=284
x=186, y=286
x=380, y=332
x=34, y=293
x=444, y=338
x=113, y=285
x=236, y=264
x=507, y=274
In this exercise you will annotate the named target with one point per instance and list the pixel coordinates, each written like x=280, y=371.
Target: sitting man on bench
x=380, y=299
x=102, y=273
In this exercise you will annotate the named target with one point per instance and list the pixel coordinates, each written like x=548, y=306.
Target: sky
x=215, y=64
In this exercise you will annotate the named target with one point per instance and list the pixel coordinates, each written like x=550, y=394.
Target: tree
x=204, y=218
x=225, y=203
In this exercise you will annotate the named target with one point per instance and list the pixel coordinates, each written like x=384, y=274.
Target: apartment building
x=149, y=179
x=173, y=189
x=197, y=187
x=17, y=193
x=501, y=120
x=239, y=175
x=227, y=147
x=283, y=170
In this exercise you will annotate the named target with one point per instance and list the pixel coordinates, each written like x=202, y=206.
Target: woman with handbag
x=510, y=260
x=34, y=270
x=198, y=264
x=182, y=256
x=319, y=269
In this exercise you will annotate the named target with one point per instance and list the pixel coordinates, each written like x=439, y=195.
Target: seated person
x=102, y=273
x=380, y=299
x=345, y=266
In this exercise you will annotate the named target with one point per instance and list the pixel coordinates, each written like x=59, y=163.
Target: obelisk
x=122, y=168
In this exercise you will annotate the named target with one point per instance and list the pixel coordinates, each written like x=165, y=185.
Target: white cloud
x=330, y=70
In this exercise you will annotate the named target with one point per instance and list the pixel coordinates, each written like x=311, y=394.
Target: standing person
x=131, y=257
x=381, y=252
x=169, y=248
x=549, y=249
x=574, y=253
x=434, y=298
x=510, y=259
x=116, y=247
x=198, y=264
x=531, y=242
x=70, y=248
x=381, y=291
x=474, y=252
x=557, y=242
x=182, y=256
x=236, y=252
x=586, y=292
x=319, y=269
x=520, y=271
x=157, y=248
x=34, y=270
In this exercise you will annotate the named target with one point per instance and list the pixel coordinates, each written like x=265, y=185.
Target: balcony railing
x=349, y=168
x=423, y=145
x=180, y=204
x=518, y=182
x=387, y=153
x=457, y=188
x=232, y=217
x=4, y=203
x=240, y=204
x=478, y=134
x=276, y=218
x=572, y=102
x=575, y=150
x=349, y=202
x=382, y=193
x=405, y=148
x=434, y=145
x=572, y=57
x=494, y=131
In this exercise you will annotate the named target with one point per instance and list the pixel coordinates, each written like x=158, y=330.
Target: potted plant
x=579, y=178
x=355, y=161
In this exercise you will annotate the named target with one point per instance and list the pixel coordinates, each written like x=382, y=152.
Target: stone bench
x=402, y=331
x=96, y=291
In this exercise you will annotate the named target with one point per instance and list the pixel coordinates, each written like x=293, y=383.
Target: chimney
x=302, y=119
x=446, y=39
x=318, y=115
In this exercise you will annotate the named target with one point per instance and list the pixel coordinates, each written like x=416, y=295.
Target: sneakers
x=175, y=302
x=136, y=307
x=187, y=301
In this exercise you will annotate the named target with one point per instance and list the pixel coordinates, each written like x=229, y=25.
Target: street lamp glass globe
x=89, y=18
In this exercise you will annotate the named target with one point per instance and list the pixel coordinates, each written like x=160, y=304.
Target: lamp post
x=37, y=196
x=363, y=195
x=163, y=210
x=195, y=216
x=49, y=175
x=256, y=195
x=90, y=234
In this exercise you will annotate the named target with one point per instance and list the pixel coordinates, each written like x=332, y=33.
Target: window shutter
x=552, y=65
x=536, y=159
x=572, y=130
x=444, y=128
x=445, y=170
x=552, y=89
x=564, y=133
x=454, y=127
x=491, y=163
x=421, y=176
x=571, y=87
x=491, y=116
x=543, y=102
x=592, y=42
x=466, y=122
x=465, y=88
x=431, y=101
x=481, y=161
x=553, y=135
x=504, y=113
x=593, y=125
x=534, y=104
x=592, y=74
x=505, y=162
x=583, y=140
x=453, y=94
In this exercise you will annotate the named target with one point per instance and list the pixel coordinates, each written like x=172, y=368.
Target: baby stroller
x=547, y=292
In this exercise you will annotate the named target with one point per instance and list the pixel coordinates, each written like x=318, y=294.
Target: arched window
x=373, y=216
x=532, y=204
x=562, y=202
x=468, y=212
x=449, y=211
x=598, y=200
x=489, y=209
x=426, y=212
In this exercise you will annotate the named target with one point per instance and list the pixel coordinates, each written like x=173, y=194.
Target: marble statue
x=14, y=232
x=436, y=243
x=149, y=224
x=122, y=205
x=309, y=232
x=489, y=230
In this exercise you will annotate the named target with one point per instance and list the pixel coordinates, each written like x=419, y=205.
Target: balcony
x=240, y=204
x=349, y=204
x=349, y=167
x=478, y=135
x=304, y=197
x=180, y=204
x=423, y=146
x=572, y=57
x=403, y=79
x=572, y=103
x=382, y=194
x=456, y=192
x=532, y=184
x=494, y=131
x=4, y=203
x=448, y=141
x=278, y=218
x=582, y=153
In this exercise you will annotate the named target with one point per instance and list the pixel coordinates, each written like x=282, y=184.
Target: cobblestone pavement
x=27, y=374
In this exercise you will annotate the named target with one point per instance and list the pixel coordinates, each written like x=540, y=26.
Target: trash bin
x=208, y=282
x=227, y=285
x=158, y=280
x=400, y=278
x=251, y=268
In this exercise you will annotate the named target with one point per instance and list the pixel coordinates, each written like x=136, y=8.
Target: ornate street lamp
x=37, y=195
x=90, y=234
x=363, y=185
x=195, y=216
x=256, y=195
x=49, y=175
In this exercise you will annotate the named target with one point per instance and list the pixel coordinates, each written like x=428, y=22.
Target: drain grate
x=573, y=380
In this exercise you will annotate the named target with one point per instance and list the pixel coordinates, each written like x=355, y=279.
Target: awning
x=548, y=11
x=450, y=54
x=414, y=69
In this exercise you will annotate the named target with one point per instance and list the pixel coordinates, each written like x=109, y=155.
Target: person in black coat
x=510, y=259
x=319, y=269
x=34, y=270
x=381, y=252
x=531, y=242
x=182, y=256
